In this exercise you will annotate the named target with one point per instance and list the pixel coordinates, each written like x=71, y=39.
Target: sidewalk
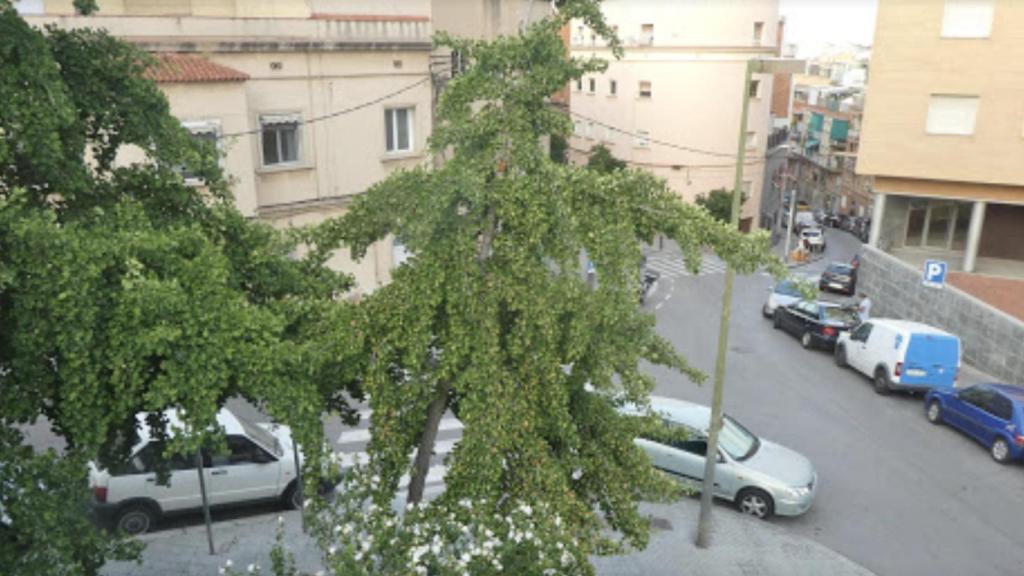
x=740, y=546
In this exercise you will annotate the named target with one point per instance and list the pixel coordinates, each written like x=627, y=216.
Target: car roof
x=225, y=419
x=695, y=416
x=1011, y=390
x=910, y=326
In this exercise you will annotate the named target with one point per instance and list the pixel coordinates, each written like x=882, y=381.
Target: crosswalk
x=672, y=265
x=352, y=443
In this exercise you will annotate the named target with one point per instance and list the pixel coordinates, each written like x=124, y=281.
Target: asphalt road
x=897, y=495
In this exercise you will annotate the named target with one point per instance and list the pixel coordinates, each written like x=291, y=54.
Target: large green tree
x=492, y=318
x=124, y=290
x=718, y=203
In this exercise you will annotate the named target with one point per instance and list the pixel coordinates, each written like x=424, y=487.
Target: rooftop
x=175, y=68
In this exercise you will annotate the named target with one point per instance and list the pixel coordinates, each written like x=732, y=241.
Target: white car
x=814, y=237
x=783, y=293
x=259, y=465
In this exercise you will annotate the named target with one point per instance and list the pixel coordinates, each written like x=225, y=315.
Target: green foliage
x=124, y=290
x=602, y=160
x=559, y=149
x=718, y=203
x=493, y=309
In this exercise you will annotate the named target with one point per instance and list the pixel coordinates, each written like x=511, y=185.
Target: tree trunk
x=426, y=448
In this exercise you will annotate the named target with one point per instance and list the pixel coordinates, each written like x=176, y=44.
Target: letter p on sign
x=934, y=273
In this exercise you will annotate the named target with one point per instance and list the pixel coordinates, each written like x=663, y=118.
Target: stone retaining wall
x=993, y=341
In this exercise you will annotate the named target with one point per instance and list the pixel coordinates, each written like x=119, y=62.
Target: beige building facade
x=943, y=136
x=679, y=83
x=295, y=92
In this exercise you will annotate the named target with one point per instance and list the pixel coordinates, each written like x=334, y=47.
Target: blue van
x=898, y=354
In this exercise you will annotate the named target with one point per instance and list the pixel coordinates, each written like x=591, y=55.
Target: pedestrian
x=864, y=306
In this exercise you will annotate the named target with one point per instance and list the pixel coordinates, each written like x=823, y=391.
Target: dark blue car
x=992, y=414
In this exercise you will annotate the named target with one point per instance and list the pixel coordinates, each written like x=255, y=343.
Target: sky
x=812, y=24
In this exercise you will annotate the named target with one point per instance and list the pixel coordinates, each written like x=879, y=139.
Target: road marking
x=435, y=474
x=660, y=304
x=363, y=434
x=350, y=459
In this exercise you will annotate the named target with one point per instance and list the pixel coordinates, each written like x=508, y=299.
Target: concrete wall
x=991, y=338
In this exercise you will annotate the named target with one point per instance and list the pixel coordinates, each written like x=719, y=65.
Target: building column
x=877, y=213
x=974, y=235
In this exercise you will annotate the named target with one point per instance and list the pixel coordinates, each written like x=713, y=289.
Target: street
x=897, y=495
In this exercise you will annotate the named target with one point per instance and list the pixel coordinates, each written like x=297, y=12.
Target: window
x=861, y=333
x=642, y=139
x=241, y=451
x=751, y=139
x=973, y=396
x=579, y=84
x=1000, y=406
x=952, y=114
x=758, y=33
x=755, y=88
x=207, y=132
x=593, y=85
x=398, y=129
x=613, y=87
x=577, y=128
x=736, y=440
x=645, y=89
x=280, y=138
x=590, y=130
x=647, y=34
x=147, y=458
x=968, y=18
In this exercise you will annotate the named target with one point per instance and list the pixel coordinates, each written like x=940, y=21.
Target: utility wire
x=341, y=112
x=563, y=108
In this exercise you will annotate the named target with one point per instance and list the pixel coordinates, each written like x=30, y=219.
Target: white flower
x=347, y=529
x=337, y=528
x=221, y=571
x=566, y=558
x=332, y=550
x=526, y=509
x=280, y=520
x=558, y=520
x=229, y=563
x=251, y=569
x=358, y=556
x=528, y=535
x=320, y=573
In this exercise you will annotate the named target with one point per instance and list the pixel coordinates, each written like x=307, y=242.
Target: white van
x=259, y=465
x=898, y=354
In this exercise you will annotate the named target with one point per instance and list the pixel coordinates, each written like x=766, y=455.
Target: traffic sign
x=934, y=273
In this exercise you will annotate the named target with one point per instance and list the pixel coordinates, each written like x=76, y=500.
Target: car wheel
x=136, y=519
x=292, y=497
x=841, y=356
x=934, y=412
x=777, y=320
x=1000, y=451
x=882, y=385
x=807, y=341
x=755, y=502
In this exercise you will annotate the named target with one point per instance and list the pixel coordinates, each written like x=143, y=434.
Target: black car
x=839, y=277
x=816, y=324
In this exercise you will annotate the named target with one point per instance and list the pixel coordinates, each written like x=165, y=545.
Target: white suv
x=259, y=465
x=815, y=238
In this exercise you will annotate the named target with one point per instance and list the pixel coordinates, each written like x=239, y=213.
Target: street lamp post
x=758, y=66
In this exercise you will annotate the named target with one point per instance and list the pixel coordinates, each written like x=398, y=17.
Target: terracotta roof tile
x=190, y=68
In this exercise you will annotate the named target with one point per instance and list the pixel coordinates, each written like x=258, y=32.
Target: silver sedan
x=762, y=478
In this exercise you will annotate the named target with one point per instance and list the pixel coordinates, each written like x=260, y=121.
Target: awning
x=278, y=119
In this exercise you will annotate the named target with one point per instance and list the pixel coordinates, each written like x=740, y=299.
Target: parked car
x=899, y=354
x=803, y=220
x=816, y=324
x=839, y=277
x=783, y=293
x=760, y=477
x=259, y=466
x=992, y=414
x=815, y=238
x=831, y=220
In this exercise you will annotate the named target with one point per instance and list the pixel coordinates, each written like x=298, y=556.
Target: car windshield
x=261, y=436
x=840, y=269
x=839, y=315
x=812, y=233
x=736, y=440
x=787, y=288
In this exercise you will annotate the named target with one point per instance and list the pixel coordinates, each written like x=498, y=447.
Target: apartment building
x=943, y=137
x=680, y=82
x=310, y=101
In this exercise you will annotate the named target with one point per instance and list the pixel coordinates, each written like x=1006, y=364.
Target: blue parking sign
x=934, y=273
